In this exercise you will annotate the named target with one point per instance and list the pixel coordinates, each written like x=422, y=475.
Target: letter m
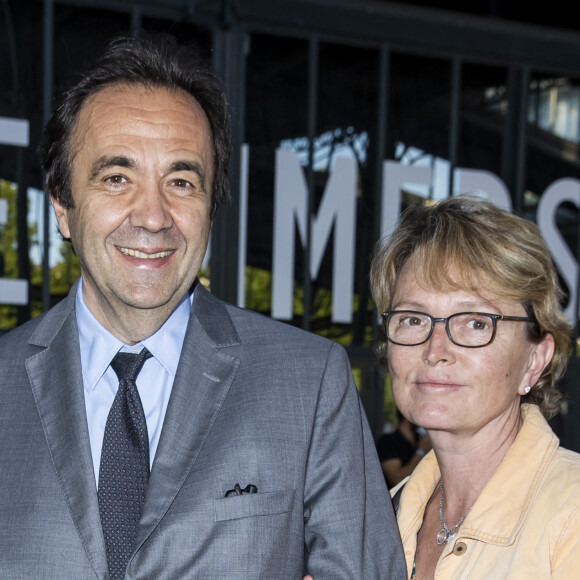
x=338, y=208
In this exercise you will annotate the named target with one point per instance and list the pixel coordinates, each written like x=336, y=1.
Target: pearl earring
x=527, y=389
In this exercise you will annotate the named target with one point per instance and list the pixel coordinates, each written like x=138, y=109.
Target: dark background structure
x=463, y=84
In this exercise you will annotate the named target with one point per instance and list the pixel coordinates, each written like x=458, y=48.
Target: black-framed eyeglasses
x=468, y=329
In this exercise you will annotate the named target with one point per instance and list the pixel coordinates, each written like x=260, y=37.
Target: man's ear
x=61, y=214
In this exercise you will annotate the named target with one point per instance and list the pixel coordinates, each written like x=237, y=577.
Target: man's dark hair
x=154, y=62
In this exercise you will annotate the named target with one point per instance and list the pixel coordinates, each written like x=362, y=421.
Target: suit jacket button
x=460, y=548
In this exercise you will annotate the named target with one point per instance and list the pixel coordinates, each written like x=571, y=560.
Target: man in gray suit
x=236, y=447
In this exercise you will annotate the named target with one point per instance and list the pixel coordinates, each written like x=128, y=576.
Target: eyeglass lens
x=466, y=329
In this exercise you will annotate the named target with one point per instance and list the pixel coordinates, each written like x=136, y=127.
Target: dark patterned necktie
x=124, y=470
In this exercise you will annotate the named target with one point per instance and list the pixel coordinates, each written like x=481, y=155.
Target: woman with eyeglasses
x=474, y=340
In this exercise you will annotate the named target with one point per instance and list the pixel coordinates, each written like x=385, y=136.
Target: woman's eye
x=477, y=324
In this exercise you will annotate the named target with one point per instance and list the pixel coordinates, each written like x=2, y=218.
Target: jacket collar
x=56, y=382
x=512, y=487
x=208, y=365
x=500, y=510
x=210, y=358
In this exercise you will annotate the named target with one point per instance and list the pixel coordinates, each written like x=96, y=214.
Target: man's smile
x=142, y=255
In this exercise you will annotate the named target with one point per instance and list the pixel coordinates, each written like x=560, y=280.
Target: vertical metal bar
x=381, y=149
x=537, y=105
x=382, y=124
x=313, y=65
x=576, y=311
x=243, y=225
x=22, y=229
x=48, y=48
x=372, y=389
x=13, y=52
x=514, y=147
x=521, y=150
x=454, y=105
x=218, y=227
x=576, y=325
x=242, y=166
x=506, y=167
x=136, y=14
x=229, y=63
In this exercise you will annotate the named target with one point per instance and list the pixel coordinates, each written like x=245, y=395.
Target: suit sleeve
x=350, y=529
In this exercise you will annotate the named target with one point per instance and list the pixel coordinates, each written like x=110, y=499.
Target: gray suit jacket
x=254, y=402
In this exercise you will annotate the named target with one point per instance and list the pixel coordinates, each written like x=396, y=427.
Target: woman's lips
x=436, y=385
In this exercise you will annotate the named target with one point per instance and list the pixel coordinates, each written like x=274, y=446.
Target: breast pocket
x=253, y=504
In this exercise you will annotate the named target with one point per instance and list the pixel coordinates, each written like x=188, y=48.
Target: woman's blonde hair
x=484, y=247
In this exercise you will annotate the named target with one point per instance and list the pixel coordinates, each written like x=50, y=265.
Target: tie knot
x=127, y=365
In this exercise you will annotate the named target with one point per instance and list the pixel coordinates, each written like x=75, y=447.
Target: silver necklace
x=446, y=534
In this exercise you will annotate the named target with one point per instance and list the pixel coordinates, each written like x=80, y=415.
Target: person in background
x=475, y=340
x=401, y=450
x=148, y=429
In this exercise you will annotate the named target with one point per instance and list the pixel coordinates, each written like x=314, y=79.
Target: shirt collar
x=98, y=346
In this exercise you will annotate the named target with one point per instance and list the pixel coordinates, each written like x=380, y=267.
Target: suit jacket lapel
x=204, y=376
x=56, y=380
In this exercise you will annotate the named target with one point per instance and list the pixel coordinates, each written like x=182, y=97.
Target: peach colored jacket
x=524, y=525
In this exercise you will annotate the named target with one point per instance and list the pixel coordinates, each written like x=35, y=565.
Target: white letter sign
x=338, y=207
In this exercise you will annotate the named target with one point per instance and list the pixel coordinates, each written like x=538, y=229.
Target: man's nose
x=151, y=209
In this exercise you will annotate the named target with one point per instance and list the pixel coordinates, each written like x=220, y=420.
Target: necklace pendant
x=446, y=534
x=443, y=537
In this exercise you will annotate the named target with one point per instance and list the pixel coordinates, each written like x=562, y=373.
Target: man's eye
x=182, y=183
x=116, y=179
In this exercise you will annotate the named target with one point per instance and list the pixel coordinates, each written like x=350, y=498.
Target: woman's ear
x=540, y=356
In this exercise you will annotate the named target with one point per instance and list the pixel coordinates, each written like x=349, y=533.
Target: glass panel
x=553, y=173
x=418, y=122
x=344, y=180
x=276, y=118
x=20, y=95
x=418, y=138
x=552, y=186
x=8, y=250
x=184, y=32
x=482, y=117
x=79, y=35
